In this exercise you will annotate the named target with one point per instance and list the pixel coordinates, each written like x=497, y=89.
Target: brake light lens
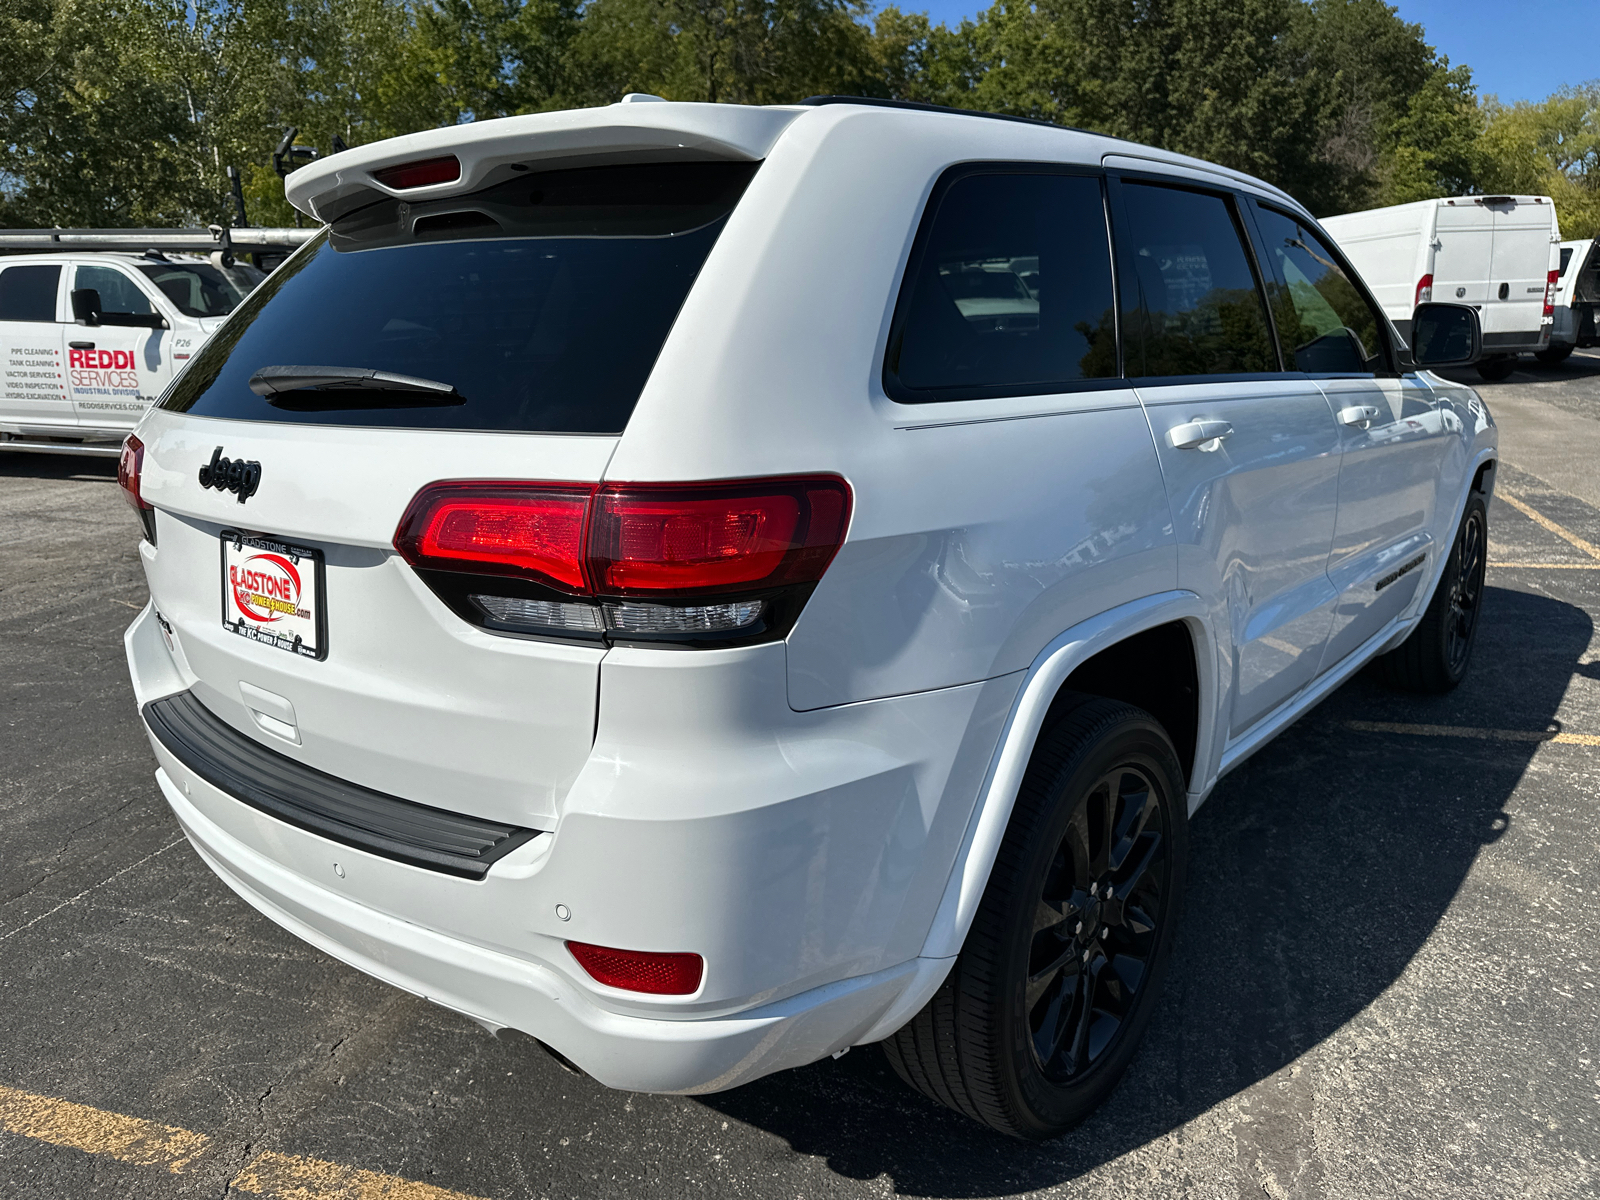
x=1424, y=290
x=1550, y=292
x=129, y=468
x=536, y=532
x=696, y=538
x=639, y=970
x=422, y=173
x=660, y=562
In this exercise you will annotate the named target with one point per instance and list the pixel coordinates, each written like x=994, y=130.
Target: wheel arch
x=1095, y=656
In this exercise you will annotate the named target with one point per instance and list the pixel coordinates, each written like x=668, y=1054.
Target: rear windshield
x=543, y=302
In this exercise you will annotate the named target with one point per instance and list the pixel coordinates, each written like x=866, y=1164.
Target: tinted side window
x=1324, y=322
x=1009, y=291
x=118, y=293
x=29, y=293
x=1195, y=307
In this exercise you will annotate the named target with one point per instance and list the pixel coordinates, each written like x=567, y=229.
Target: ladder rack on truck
x=199, y=240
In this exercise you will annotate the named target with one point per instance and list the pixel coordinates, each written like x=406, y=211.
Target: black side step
x=324, y=804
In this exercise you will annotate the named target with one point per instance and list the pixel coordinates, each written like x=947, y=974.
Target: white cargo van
x=1577, y=301
x=1499, y=254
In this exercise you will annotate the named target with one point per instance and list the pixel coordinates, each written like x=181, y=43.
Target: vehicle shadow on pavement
x=19, y=464
x=1318, y=871
x=1582, y=364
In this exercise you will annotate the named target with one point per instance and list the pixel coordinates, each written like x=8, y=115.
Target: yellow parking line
x=1468, y=731
x=62, y=1123
x=1538, y=518
x=288, y=1177
x=1511, y=566
x=131, y=1140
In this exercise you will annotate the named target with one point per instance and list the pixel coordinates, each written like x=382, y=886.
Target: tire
x=1007, y=1039
x=1436, y=656
x=1554, y=356
x=1496, y=369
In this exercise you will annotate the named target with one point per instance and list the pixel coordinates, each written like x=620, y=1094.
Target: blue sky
x=1517, y=49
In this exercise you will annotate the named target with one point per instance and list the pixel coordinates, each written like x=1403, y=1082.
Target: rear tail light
x=130, y=470
x=1424, y=290
x=422, y=173
x=674, y=562
x=129, y=467
x=512, y=529
x=1550, y=293
x=640, y=971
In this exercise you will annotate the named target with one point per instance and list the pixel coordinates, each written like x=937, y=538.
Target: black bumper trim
x=313, y=800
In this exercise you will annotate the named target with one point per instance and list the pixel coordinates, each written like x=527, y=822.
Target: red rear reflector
x=499, y=529
x=129, y=467
x=421, y=173
x=1424, y=291
x=1550, y=293
x=639, y=971
x=719, y=537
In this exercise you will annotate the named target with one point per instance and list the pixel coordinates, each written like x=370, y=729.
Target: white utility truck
x=1500, y=254
x=95, y=323
x=1577, y=301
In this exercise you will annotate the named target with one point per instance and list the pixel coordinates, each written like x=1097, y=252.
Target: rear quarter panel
x=981, y=529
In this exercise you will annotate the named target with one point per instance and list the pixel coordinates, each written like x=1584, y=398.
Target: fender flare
x=969, y=874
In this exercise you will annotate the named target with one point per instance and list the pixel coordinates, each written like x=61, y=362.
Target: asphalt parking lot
x=1388, y=980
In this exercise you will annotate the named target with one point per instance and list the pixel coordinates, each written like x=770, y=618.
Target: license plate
x=272, y=593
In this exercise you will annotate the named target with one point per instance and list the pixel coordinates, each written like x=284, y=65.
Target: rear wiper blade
x=310, y=388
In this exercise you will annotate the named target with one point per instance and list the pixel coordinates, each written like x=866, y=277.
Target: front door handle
x=1360, y=415
x=1198, y=435
x=81, y=345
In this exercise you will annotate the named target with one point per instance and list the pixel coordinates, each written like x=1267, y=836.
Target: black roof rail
x=919, y=106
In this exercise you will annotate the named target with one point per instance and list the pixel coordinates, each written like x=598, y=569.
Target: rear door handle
x=1195, y=435
x=81, y=345
x=1360, y=415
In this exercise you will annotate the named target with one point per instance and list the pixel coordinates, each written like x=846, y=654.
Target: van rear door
x=1463, y=252
x=1525, y=250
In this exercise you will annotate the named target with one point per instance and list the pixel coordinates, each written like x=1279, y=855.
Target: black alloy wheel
x=1095, y=930
x=1436, y=656
x=1470, y=557
x=1056, y=982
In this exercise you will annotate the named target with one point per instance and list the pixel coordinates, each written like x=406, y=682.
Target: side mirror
x=1446, y=335
x=86, y=306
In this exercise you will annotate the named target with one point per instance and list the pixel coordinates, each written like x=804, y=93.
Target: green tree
x=1549, y=148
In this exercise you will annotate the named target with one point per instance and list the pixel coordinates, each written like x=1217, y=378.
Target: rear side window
x=1325, y=324
x=542, y=300
x=201, y=290
x=118, y=293
x=1195, y=307
x=29, y=293
x=1008, y=293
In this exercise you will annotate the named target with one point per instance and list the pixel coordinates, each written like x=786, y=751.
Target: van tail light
x=1424, y=290
x=639, y=970
x=683, y=562
x=130, y=471
x=1550, y=292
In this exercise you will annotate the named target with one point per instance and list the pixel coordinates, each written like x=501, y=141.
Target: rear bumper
x=498, y=989
x=803, y=854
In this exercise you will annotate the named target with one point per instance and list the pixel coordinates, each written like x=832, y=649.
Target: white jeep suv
x=711, y=586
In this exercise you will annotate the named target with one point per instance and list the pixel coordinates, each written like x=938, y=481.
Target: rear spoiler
x=202, y=240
